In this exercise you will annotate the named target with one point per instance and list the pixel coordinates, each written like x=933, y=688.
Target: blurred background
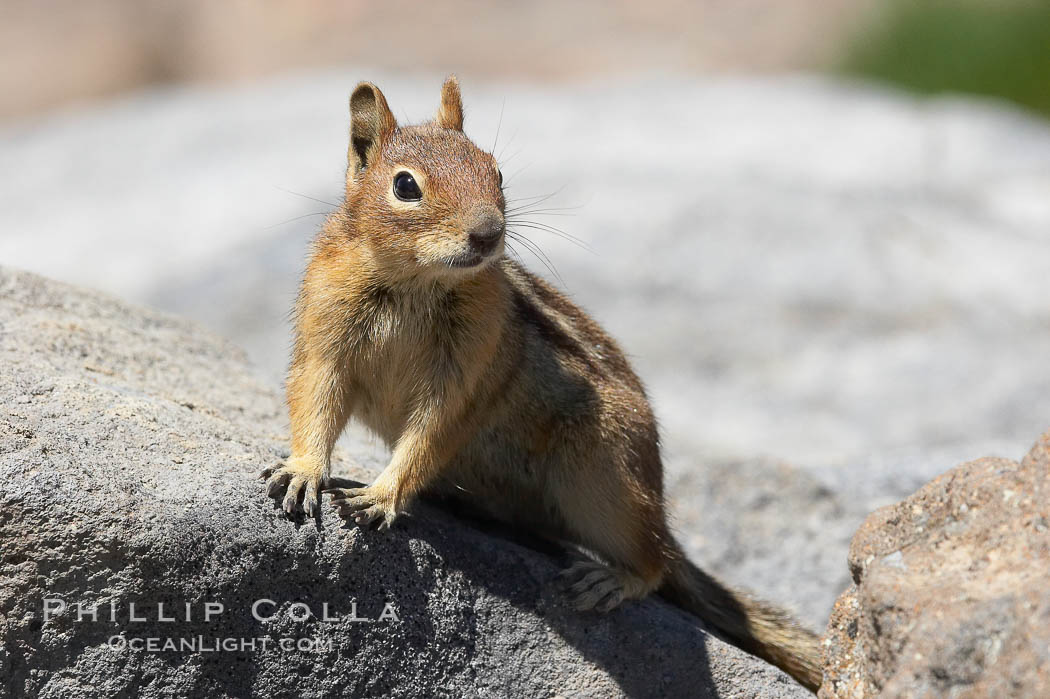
x=820, y=228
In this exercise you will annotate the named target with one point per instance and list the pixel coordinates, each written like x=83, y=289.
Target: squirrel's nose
x=486, y=233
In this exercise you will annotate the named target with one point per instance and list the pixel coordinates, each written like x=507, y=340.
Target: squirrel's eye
x=405, y=187
x=500, y=173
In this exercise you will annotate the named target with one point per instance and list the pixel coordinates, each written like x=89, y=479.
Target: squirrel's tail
x=749, y=623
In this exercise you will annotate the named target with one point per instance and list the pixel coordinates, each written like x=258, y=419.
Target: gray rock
x=950, y=596
x=129, y=446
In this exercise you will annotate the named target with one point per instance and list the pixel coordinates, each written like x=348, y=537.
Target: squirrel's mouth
x=473, y=258
x=467, y=260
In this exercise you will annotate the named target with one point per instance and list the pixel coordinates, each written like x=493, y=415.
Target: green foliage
x=989, y=47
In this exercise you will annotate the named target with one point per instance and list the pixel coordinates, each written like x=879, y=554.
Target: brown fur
x=487, y=383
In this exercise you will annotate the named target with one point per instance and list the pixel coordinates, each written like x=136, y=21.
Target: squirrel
x=486, y=382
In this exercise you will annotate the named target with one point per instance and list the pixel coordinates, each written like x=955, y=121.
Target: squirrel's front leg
x=425, y=447
x=319, y=405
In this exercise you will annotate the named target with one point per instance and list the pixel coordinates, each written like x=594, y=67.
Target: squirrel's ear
x=370, y=122
x=450, y=114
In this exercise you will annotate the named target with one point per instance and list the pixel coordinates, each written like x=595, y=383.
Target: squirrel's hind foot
x=597, y=586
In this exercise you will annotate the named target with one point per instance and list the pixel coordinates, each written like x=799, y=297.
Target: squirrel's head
x=429, y=201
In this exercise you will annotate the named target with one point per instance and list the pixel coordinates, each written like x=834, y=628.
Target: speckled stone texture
x=952, y=589
x=130, y=442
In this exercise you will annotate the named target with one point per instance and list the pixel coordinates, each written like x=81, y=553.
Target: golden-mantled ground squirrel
x=485, y=381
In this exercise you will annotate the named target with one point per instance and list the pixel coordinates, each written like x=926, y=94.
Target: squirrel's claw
x=297, y=488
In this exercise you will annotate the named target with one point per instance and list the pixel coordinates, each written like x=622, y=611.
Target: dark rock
x=130, y=443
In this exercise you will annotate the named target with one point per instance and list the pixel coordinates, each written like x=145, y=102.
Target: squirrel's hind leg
x=625, y=535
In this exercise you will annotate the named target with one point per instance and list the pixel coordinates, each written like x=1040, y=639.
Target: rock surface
x=129, y=446
x=952, y=589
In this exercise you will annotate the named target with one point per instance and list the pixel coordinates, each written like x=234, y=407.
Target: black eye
x=500, y=173
x=405, y=187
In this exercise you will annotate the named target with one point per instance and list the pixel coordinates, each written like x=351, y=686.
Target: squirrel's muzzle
x=486, y=232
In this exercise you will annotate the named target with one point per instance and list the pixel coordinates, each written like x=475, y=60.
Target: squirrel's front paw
x=367, y=506
x=299, y=486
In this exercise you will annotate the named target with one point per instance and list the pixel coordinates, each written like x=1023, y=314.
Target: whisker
x=504, y=161
x=524, y=211
x=540, y=224
x=499, y=158
x=537, y=251
x=518, y=172
x=534, y=225
x=499, y=124
x=539, y=198
x=521, y=211
x=304, y=196
x=514, y=252
x=316, y=213
x=530, y=206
